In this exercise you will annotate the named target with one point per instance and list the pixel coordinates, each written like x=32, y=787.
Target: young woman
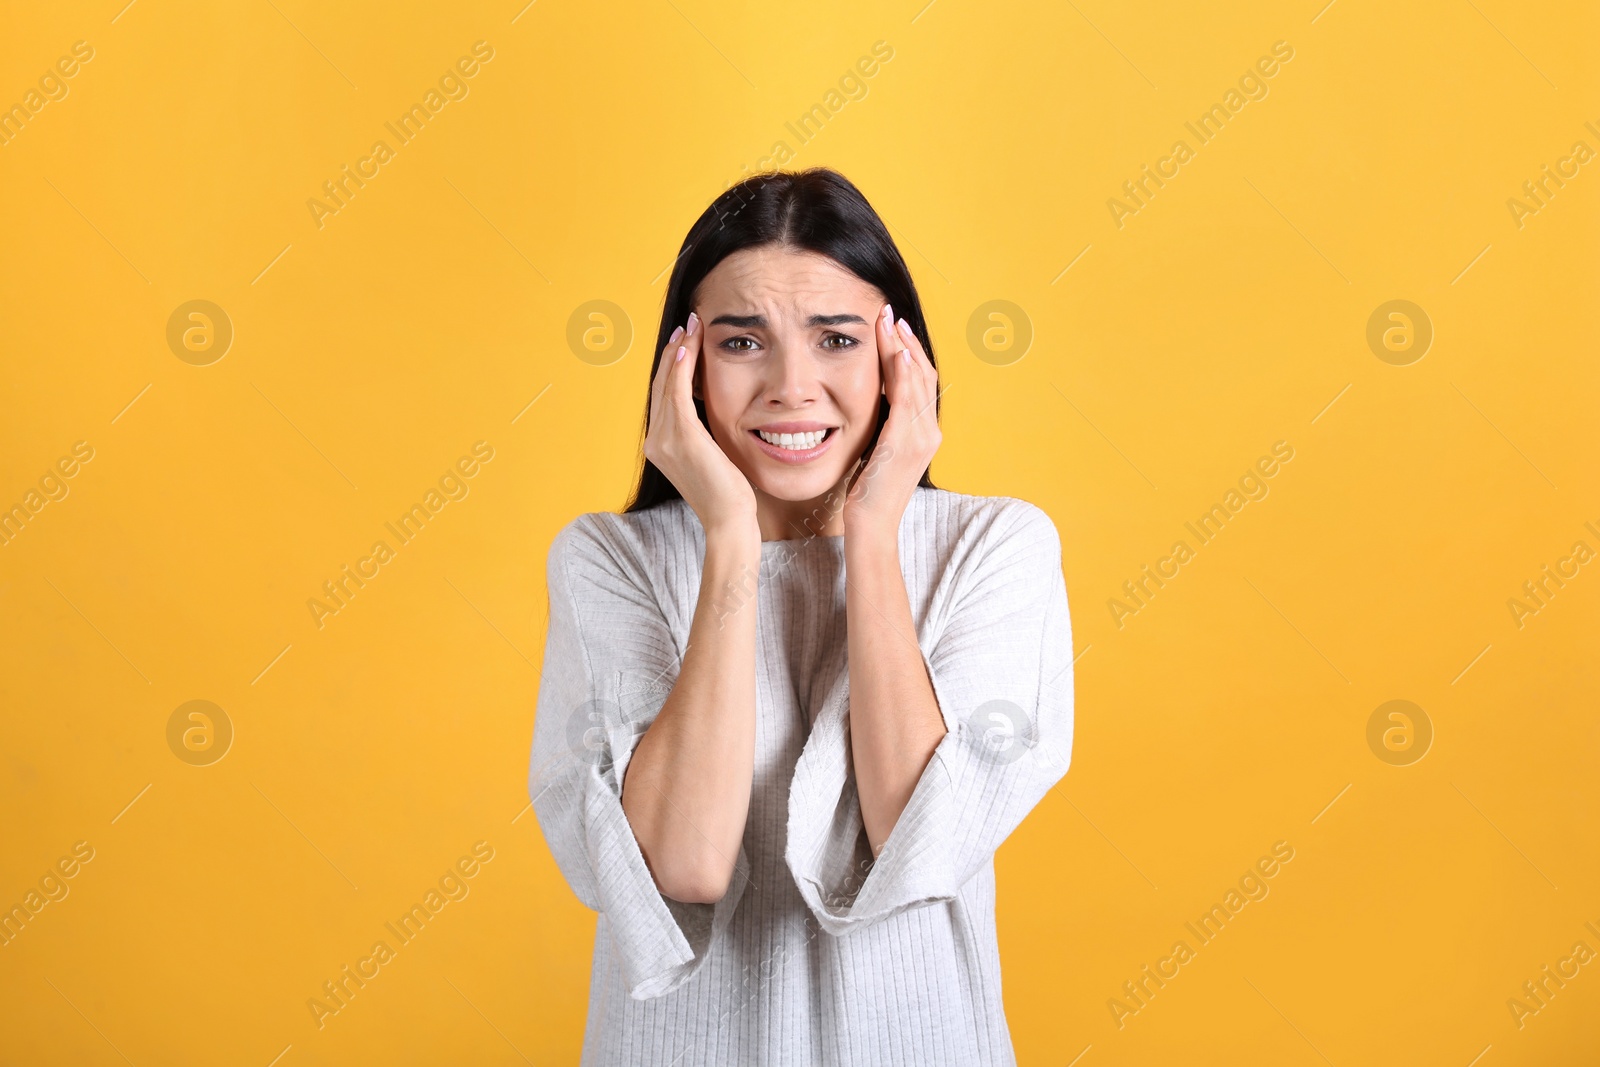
x=795, y=696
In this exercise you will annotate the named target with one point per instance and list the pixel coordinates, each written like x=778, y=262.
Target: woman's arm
x=686, y=790
x=895, y=722
x=1001, y=670
x=607, y=640
x=894, y=717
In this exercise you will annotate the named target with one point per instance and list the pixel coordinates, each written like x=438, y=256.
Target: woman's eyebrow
x=759, y=322
x=744, y=322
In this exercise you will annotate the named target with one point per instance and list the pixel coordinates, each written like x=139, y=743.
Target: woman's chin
x=796, y=486
x=798, y=491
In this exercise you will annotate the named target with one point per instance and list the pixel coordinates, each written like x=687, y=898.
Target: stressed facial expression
x=789, y=368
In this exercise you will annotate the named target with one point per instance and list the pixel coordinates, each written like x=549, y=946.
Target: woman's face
x=789, y=368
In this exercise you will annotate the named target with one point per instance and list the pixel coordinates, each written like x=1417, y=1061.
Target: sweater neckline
x=799, y=544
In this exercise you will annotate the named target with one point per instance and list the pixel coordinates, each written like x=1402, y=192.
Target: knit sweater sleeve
x=999, y=655
x=610, y=661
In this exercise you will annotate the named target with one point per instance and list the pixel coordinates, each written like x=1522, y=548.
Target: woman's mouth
x=795, y=447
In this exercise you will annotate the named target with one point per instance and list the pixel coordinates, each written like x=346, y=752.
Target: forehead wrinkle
x=809, y=293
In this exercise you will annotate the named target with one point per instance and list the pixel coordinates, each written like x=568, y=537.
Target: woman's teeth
x=794, y=442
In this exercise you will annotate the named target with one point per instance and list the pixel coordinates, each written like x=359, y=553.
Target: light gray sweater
x=818, y=954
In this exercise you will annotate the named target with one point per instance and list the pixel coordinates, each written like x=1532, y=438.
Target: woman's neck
x=787, y=520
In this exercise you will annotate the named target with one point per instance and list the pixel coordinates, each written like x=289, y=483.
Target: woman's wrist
x=871, y=540
x=730, y=572
x=734, y=534
x=877, y=523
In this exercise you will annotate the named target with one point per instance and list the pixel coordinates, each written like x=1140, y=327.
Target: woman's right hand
x=681, y=447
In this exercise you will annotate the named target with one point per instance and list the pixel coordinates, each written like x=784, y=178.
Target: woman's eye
x=838, y=342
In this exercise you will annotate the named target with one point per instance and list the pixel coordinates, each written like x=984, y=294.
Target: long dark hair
x=816, y=210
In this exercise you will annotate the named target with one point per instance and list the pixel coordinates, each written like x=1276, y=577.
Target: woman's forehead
x=782, y=278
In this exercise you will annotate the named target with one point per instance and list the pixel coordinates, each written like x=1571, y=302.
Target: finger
x=903, y=344
x=888, y=349
x=919, y=366
x=683, y=374
x=901, y=374
x=907, y=338
x=664, y=368
x=913, y=389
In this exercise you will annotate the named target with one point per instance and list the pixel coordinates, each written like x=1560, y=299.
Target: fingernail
x=905, y=355
x=888, y=312
x=679, y=357
x=694, y=320
x=676, y=334
x=905, y=328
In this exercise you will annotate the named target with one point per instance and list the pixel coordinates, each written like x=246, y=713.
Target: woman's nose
x=794, y=377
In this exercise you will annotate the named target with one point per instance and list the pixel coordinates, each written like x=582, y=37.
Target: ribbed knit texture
x=817, y=954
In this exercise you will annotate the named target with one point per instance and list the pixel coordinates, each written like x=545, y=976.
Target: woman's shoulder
x=623, y=540
x=988, y=521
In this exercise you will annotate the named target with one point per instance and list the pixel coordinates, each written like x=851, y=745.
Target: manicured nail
x=905, y=355
x=679, y=357
x=905, y=328
x=694, y=321
x=676, y=335
x=888, y=313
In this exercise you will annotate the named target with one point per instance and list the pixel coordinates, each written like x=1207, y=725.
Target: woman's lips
x=795, y=455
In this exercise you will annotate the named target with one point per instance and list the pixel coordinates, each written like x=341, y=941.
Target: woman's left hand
x=880, y=492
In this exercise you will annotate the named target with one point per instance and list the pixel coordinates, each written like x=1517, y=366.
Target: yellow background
x=1227, y=314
